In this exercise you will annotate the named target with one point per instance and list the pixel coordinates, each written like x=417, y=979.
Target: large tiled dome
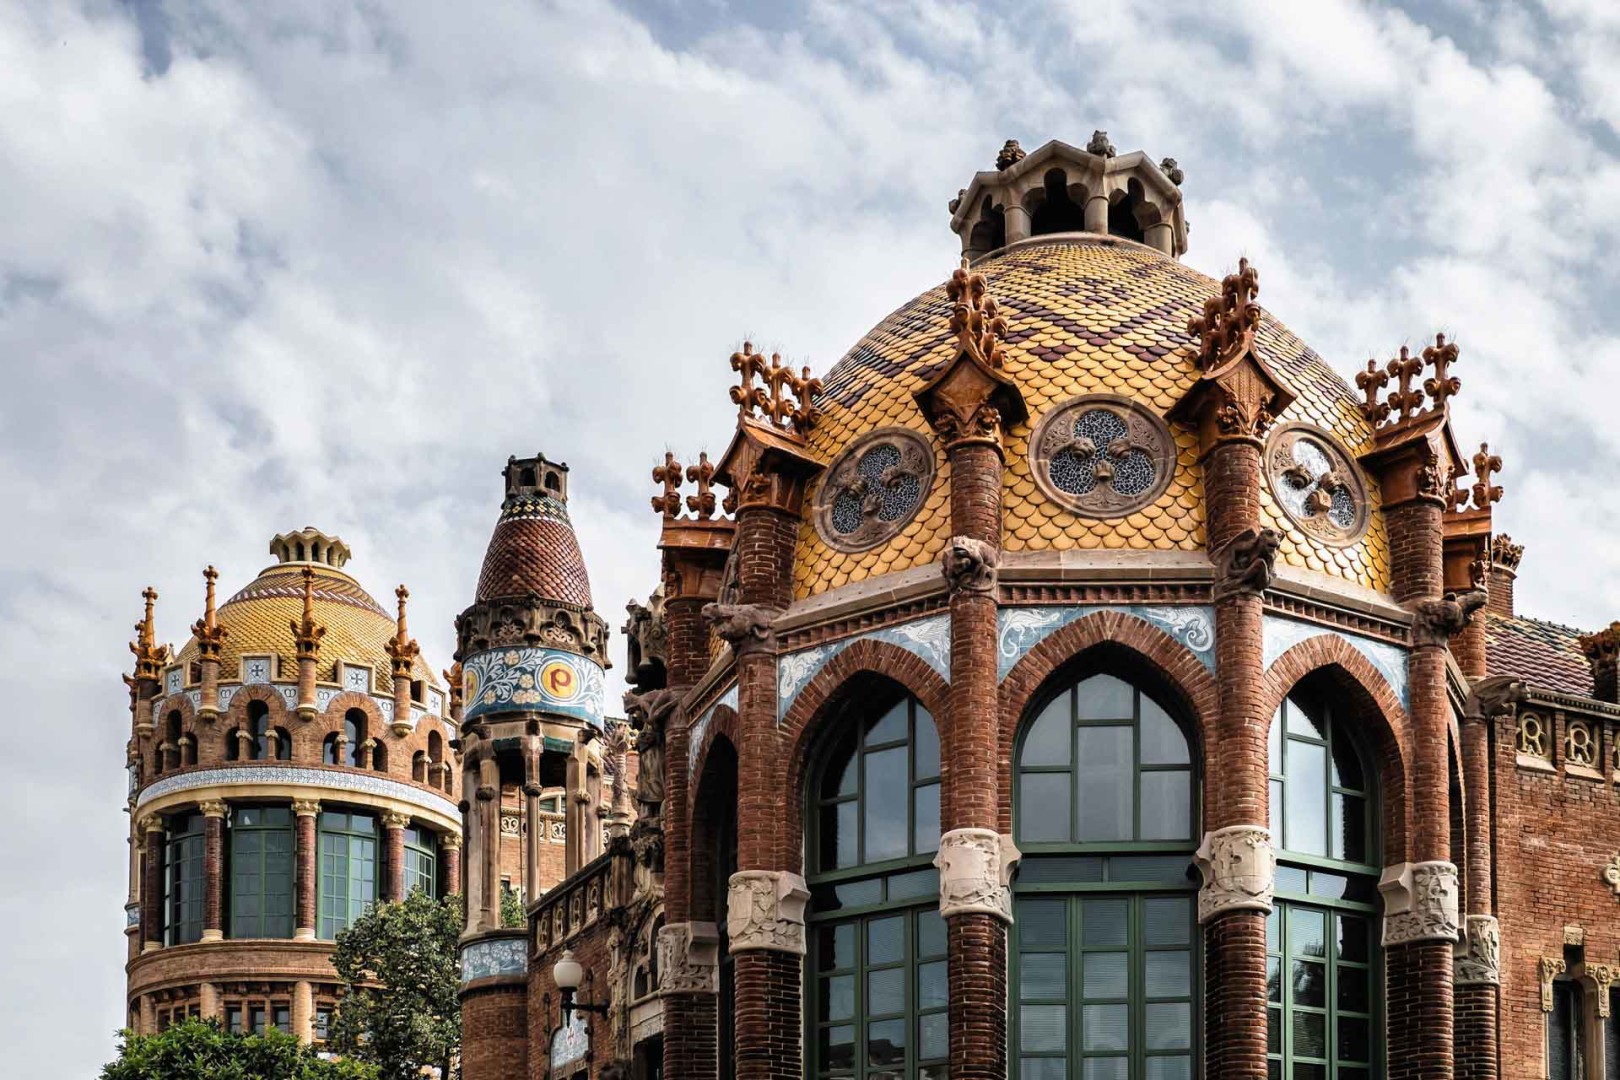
x=1086, y=314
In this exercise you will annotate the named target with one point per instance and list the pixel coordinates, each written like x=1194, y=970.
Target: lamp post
x=568, y=974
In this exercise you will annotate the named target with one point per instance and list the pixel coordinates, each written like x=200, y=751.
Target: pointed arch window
x=877, y=1001
x=1323, y=967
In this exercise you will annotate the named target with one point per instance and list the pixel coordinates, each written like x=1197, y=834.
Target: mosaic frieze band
x=541, y=680
x=1282, y=633
x=700, y=730
x=328, y=779
x=1020, y=629
x=499, y=956
x=929, y=639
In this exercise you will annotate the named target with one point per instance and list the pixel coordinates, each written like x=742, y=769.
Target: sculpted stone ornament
x=650, y=714
x=688, y=957
x=970, y=565
x=975, y=872
x=766, y=911
x=1246, y=565
x=1434, y=622
x=1549, y=968
x=1611, y=875
x=1477, y=960
x=1420, y=903
x=745, y=627
x=1239, y=868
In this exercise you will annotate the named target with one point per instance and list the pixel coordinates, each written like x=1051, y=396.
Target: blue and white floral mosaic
x=929, y=639
x=328, y=779
x=1020, y=629
x=542, y=680
x=700, y=730
x=1282, y=634
x=570, y=1043
x=500, y=956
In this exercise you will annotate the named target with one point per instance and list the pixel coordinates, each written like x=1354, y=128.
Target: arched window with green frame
x=1104, y=972
x=876, y=994
x=1323, y=967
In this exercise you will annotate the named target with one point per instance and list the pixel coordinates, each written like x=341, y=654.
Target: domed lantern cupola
x=1063, y=189
x=531, y=642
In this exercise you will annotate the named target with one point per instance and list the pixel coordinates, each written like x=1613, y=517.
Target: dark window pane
x=1047, y=741
x=1301, y=722
x=1043, y=1028
x=1306, y=929
x=1168, y=1025
x=1104, y=922
x=885, y=991
x=1167, y=920
x=925, y=736
x=890, y=727
x=1309, y=984
x=1103, y=775
x=835, y=947
x=930, y=933
x=837, y=997
x=914, y=884
x=886, y=788
x=933, y=1041
x=1274, y=978
x=1353, y=938
x=1167, y=974
x=1350, y=828
x=1103, y=697
x=1354, y=1041
x=1064, y=869
x=933, y=985
x=1353, y=995
x=886, y=1042
x=1162, y=740
x=1347, y=766
x=1043, y=976
x=838, y=835
x=1310, y=1035
x=840, y=778
x=925, y=825
x=1166, y=805
x=1043, y=807
x=1105, y=1027
x=836, y=1046
x=1041, y=924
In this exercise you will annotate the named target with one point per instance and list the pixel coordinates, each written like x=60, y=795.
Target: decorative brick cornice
x=1239, y=867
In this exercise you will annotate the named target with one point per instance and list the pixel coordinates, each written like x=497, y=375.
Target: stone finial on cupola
x=402, y=652
x=150, y=657
x=210, y=643
x=307, y=634
x=1063, y=189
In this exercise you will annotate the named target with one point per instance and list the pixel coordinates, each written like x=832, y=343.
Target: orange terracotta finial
x=1442, y=385
x=149, y=655
x=209, y=634
x=668, y=502
x=307, y=633
x=702, y=504
x=402, y=649
x=1226, y=328
x=785, y=399
x=975, y=320
x=452, y=677
x=1404, y=401
x=1486, y=465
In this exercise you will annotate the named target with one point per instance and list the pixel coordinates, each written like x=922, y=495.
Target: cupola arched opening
x=1058, y=206
x=1123, y=209
x=990, y=232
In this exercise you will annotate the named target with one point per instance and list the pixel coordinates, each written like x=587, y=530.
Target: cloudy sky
x=314, y=262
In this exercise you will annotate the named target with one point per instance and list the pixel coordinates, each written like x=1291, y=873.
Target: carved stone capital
x=1239, y=868
x=1605, y=976
x=766, y=911
x=212, y=808
x=394, y=819
x=970, y=565
x=1246, y=564
x=1548, y=968
x=1477, y=958
x=975, y=872
x=1420, y=903
x=450, y=841
x=745, y=627
x=1434, y=622
x=306, y=807
x=688, y=958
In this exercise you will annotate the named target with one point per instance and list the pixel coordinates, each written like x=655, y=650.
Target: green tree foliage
x=513, y=916
x=400, y=1010
x=199, y=1050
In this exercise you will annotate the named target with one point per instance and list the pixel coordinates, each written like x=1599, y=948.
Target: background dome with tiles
x=1086, y=314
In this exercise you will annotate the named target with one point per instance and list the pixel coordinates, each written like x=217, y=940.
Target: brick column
x=767, y=896
x=1232, y=406
x=450, y=865
x=394, y=824
x=1233, y=907
x=213, y=870
x=305, y=863
x=152, y=889
x=208, y=1002
x=303, y=1011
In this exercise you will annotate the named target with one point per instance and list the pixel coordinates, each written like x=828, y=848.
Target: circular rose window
x=873, y=488
x=1316, y=483
x=1102, y=456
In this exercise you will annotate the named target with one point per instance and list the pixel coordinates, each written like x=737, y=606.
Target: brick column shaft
x=152, y=889
x=304, y=877
x=1420, y=976
x=691, y=1021
x=394, y=857
x=213, y=873
x=1235, y=940
x=769, y=1020
x=450, y=869
x=977, y=941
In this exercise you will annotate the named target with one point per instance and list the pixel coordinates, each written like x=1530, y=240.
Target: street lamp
x=567, y=973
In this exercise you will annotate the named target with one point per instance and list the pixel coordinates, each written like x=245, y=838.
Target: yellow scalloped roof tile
x=1083, y=318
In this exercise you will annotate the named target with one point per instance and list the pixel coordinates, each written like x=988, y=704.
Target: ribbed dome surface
x=534, y=551
x=1086, y=315
x=258, y=620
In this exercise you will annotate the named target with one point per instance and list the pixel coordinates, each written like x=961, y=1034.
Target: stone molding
x=765, y=911
x=1477, y=959
x=975, y=873
x=1420, y=903
x=1239, y=866
x=688, y=958
x=295, y=775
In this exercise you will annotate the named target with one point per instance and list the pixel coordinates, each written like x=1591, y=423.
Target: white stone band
x=1239, y=867
x=688, y=958
x=765, y=910
x=283, y=774
x=1477, y=958
x=1420, y=903
x=975, y=872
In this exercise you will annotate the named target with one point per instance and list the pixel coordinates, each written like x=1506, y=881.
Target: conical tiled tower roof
x=534, y=550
